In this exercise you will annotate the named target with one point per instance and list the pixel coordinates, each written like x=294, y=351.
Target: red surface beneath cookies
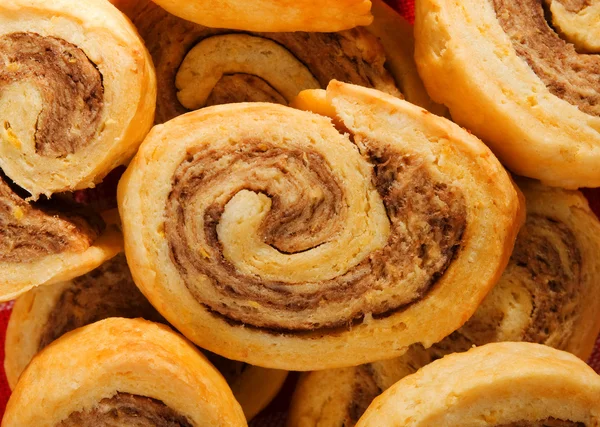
x=274, y=415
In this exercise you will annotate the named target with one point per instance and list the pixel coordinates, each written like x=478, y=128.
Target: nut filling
x=108, y=291
x=353, y=56
x=69, y=84
x=125, y=409
x=29, y=232
x=569, y=75
x=427, y=220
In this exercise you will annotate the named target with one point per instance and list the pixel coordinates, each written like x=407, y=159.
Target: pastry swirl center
x=63, y=90
x=275, y=207
x=569, y=75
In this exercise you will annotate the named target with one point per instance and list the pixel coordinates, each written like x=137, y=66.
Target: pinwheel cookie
x=267, y=235
x=122, y=372
x=45, y=314
x=508, y=71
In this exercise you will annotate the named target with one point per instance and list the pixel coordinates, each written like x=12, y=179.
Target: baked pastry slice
x=267, y=235
x=122, y=372
x=45, y=314
x=500, y=384
x=199, y=66
x=273, y=15
x=47, y=242
x=507, y=70
x=77, y=93
x=548, y=294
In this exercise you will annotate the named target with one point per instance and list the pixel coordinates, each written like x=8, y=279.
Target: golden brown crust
x=84, y=376
x=493, y=385
x=285, y=247
x=45, y=314
x=518, y=85
x=77, y=93
x=197, y=65
x=273, y=15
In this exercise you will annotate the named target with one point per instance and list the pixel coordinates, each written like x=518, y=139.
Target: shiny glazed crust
x=95, y=36
x=496, y=384
x=489, y=196
x=469, y=63
x=273, y=15
x=16, y=278
x=115, y=355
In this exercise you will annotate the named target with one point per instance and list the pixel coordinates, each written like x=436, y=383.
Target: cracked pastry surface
x=526, y=79
x=77, y=93
x=290, y=238
x=122, y=371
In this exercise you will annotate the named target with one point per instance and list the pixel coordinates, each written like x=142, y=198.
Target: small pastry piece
x=199, y=66
x=77, y=93
x=45, y=314
x=273, y=15
x=514, y=79
x=47, y=242
x=548, y=294
x=267, y=235
x=122, y=372
x=500, y=384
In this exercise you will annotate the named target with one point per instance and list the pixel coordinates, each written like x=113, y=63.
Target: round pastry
x=199, y=66
x=548, y=294
x=44, y=314
x=514, y=79
x=500, y=384
x=273, y=15
x=122, y=372
x=267, y=235
x=42, y=243
x=77, y=93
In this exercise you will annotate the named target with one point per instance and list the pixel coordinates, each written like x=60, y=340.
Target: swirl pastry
x=273, y=15
x=122, y=372
x=199, y=66
x=267, y=235
x=548, y=294
x=500, y=384
x=45, y=314
x=40, y=244
x=77, y=93
x=515, y=79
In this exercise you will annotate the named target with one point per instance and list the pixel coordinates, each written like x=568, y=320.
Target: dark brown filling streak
x=70, y=85
x=126, y=409
x=548, y=422
x=433, y=238
x=31, y=231
x=328, y=56
x=573, y=77
x=365, y=390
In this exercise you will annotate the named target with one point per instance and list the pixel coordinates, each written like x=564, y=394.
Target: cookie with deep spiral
x=499, y=384
x=198, y=66
x=524, y=76
x=77, y=93
x=548, y=294
x=45, y=314
x=268, y=235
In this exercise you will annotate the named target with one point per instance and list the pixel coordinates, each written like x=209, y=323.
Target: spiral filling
x=548, y=422
x=365, y=390
x=353, y=56
x=29, y=232
x=575, y=6
x=427, y=220
x=125, y=409
x=567, y=74
x=69, y=84
x=108, y=291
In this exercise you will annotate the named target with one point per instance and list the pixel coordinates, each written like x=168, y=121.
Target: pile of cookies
x=309, y=187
